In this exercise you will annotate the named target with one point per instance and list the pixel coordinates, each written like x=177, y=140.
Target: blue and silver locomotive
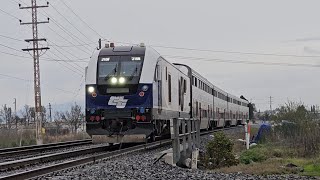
x=132, y=93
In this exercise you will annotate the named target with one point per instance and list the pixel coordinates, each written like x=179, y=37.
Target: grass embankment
x=27, y=137
x=13, y=138
x=270, y=158
x=64, y=138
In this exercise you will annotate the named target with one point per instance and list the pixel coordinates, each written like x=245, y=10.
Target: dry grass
x=270, y=166
x=13, y=138
x=27, y=137
x=311, y=167
x=64, y=138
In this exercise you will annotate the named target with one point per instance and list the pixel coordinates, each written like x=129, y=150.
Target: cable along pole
x=35, y=49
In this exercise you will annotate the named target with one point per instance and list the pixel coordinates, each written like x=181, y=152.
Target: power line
x=9, y=14
x=63, y=39
x=57, y=60
x=80, y=87
x=43, y=59
x=51, y=59
x=69, y=67
x=69, y=59
x=76, y=45
x=56, y=48
x=69, y=34
x=12, y=38
x=47, y=59
x=76, y=68
x=28, y=80
x=241, y=61
x=221, y=51
x=81, y=19
x=236, y=52
x=70, y=23
x=13, y=77
x=11, y=48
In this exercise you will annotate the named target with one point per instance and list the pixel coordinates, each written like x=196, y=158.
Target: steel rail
x=41, y=148
x=52, y=157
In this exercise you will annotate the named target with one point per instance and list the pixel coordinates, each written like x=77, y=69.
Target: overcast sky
x=233, y=28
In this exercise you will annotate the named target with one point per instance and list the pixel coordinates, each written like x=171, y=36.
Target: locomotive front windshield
x=106, y=69
x=126, y=69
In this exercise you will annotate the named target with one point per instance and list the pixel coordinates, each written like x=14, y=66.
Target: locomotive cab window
x=126, y=67
x=119, y=74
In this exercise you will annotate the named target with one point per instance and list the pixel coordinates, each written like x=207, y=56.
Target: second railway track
x=9, y=154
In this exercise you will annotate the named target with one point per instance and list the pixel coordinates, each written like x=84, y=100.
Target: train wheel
x=152, y=137
x=211, y=126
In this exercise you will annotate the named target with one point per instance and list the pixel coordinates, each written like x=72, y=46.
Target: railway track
x=112, y=151
x=11, y=153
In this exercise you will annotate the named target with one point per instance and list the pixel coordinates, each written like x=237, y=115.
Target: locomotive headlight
x=145, y=88
x=122, y=80
x=114, y=80
x=90, y=89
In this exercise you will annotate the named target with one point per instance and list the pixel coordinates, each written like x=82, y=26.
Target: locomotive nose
x=115, y=124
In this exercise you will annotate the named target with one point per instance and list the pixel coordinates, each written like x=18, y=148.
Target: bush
x=277, y=153
x=252, y=155
x=297, y=129
x=33, y=142
x=219, y=152
x=14, y=144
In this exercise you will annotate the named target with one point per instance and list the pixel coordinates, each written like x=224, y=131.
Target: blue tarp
x=264, y=129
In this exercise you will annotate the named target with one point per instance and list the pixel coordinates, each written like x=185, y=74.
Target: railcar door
x=159, y=85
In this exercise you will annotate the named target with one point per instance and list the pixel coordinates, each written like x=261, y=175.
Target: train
x=132, y=93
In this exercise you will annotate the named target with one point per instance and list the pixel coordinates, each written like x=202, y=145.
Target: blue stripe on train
x=120, y=102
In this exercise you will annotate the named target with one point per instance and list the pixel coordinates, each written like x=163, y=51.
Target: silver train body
x=132, y=93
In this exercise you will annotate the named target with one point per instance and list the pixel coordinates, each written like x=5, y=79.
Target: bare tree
x=58, y=121
x=74, y=117
x=26, y=114
x=6, y=115
x=29, y=114
x=32, y=114
x=44, y=115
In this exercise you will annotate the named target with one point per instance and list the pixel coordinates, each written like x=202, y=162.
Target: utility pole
x=35, y=49
x=270, y=101
x=50, y=112
x=15, y=112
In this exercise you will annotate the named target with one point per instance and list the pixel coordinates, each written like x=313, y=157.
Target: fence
x=189, y=131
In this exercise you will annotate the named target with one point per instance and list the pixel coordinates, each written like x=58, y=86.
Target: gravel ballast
x=140, y=166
